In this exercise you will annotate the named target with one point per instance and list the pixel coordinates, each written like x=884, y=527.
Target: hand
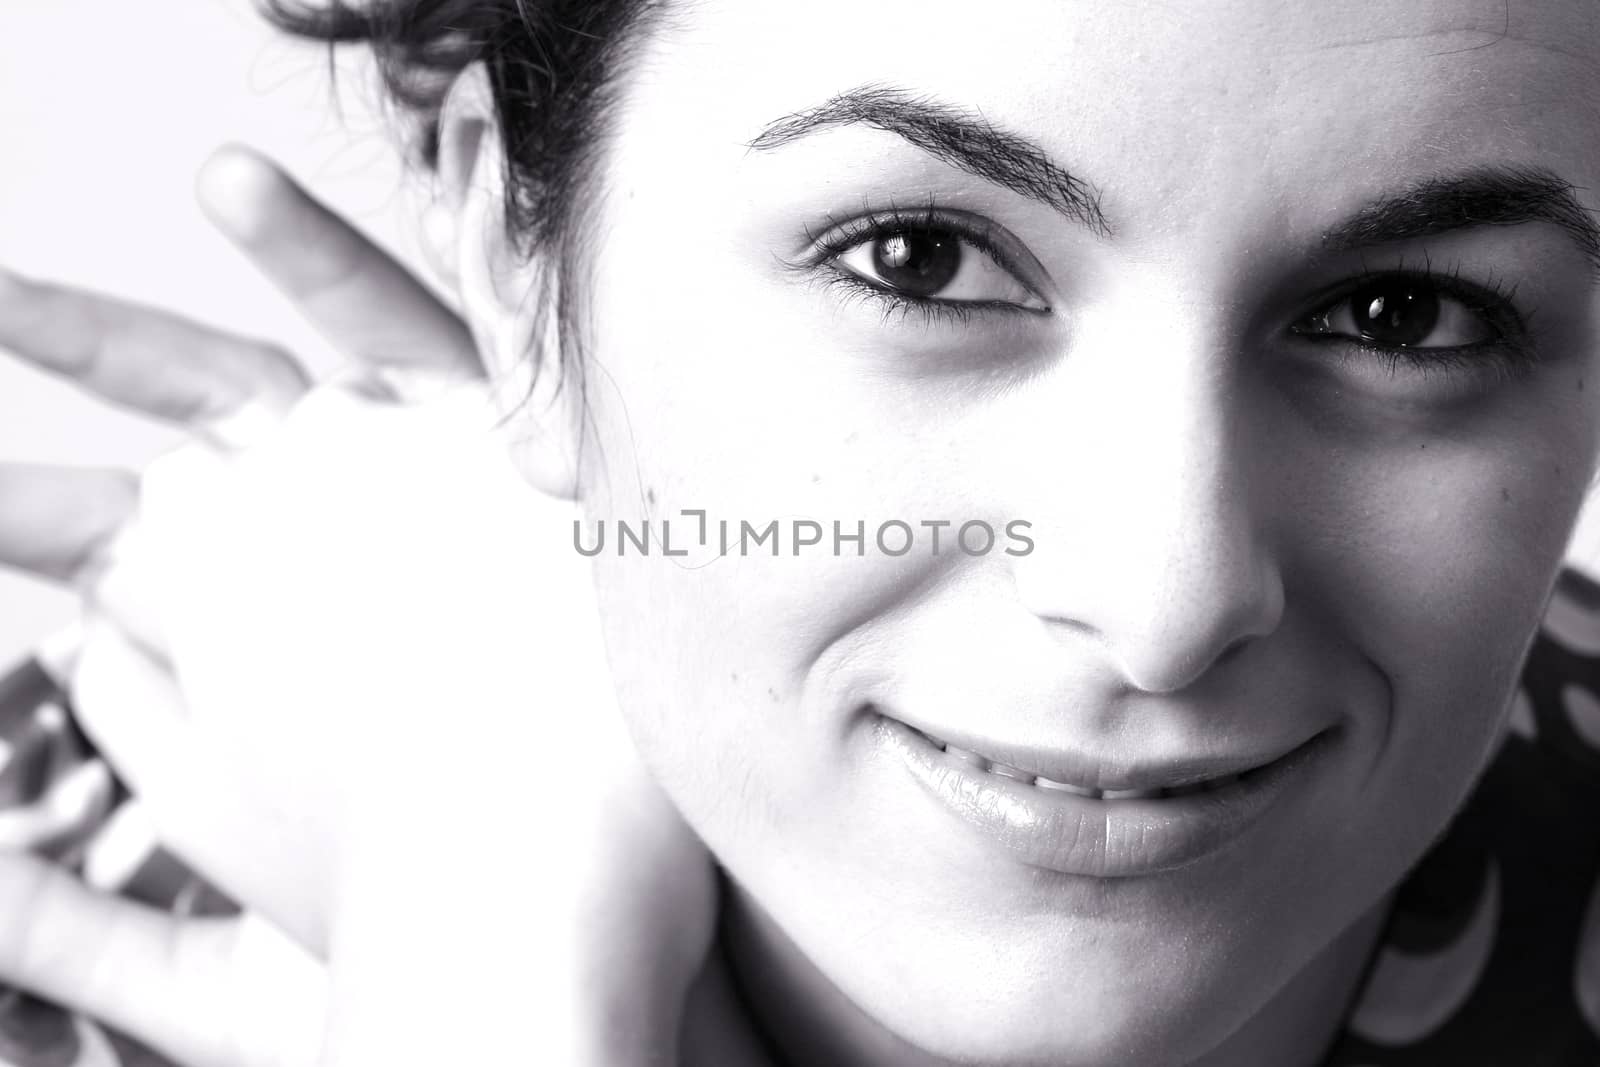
x=193, y=988
x=226, y=390
x=451, y=674
x=140, y=969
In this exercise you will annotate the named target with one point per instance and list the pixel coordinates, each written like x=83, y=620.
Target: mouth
x=1179, y=781
x=1099, y=821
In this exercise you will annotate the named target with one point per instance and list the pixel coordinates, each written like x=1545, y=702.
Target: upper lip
x=1077, y=767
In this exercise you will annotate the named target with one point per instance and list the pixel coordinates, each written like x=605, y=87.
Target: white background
x=107, y=107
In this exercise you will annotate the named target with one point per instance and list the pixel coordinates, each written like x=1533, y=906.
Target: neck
x=761, y=1003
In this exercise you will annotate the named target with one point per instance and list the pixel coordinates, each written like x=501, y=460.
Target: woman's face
x=1271, y=323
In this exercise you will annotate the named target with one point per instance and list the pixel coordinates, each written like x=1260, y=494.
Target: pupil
x=918, y=262
x=1395, y=314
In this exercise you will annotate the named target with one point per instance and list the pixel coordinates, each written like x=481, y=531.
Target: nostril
x=1232, y=651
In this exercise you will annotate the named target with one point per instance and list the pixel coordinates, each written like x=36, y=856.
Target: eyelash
x=839, y=238
x=1510, y=354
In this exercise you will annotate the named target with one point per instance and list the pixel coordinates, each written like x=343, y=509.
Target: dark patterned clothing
x=1491, y=955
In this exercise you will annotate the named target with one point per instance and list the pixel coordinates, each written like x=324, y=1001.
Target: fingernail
x=235, y=188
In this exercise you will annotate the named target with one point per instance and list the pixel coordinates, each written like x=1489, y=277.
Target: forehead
x=1167, y=108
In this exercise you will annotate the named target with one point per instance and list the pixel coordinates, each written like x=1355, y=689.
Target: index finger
x=360, y=297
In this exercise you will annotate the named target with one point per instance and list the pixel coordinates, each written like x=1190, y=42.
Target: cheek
x=1433, y=554
x=709, y=421
x=710, y=391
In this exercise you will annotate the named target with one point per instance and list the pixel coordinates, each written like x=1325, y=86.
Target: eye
x=929, y=263
x=1402, y=312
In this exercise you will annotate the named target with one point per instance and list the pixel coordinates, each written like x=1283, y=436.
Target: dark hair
x=551, y=67
x=550, y=63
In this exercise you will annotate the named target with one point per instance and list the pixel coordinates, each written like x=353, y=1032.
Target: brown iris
x=1394, y=313
x=917, y=262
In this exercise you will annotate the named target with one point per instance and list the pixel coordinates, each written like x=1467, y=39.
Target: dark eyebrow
x=1487, y=196
x=965, y=140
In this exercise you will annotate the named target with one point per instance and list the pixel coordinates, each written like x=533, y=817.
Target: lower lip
x=1089, y=836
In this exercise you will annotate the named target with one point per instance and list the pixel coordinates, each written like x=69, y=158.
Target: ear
x=500, y=288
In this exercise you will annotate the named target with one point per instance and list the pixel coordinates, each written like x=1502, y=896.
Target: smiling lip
x=1147, y=821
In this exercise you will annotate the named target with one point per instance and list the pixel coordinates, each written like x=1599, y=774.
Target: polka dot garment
x=1491, y=956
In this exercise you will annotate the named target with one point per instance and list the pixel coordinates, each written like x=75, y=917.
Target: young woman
x=1257, y=339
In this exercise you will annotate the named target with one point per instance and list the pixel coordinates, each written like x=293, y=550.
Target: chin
x=1075, y=1003
x=1074, y=1030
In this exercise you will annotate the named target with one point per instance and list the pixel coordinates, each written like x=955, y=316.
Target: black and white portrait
x=864, y=533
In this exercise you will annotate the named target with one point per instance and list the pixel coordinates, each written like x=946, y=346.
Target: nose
x=1157, y=542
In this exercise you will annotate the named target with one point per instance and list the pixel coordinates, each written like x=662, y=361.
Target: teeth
x=1011, y=772
x=1062, y=787
x=1130, y=794
x=1005, y=771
